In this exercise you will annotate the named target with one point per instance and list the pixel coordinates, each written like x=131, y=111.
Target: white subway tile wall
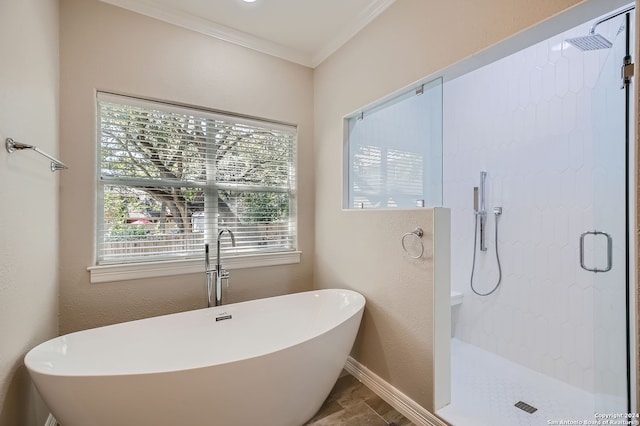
x=527, y=120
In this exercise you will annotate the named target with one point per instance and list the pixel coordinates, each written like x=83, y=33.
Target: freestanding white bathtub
x=263, y=362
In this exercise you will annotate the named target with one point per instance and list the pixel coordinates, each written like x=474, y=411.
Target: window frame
x=158, y=267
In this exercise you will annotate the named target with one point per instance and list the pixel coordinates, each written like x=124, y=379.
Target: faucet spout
x=233, y=243
x=218, y=273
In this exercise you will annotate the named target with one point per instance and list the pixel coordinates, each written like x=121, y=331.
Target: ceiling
x=302, y=31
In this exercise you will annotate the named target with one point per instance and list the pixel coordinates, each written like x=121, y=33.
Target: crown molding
x=221, y=32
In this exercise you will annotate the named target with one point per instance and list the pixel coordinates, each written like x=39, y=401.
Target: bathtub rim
x=37, y=368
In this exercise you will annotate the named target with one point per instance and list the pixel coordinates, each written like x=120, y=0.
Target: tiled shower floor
x=485, y=387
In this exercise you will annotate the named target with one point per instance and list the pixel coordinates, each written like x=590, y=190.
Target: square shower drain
x=526, y=407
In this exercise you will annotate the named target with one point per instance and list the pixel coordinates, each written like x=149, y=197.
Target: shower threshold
x=487, y=389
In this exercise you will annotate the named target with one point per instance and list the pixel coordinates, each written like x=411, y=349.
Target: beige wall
x=103, y=47
x=107, y=48
x=29, y=194
x=411, y=40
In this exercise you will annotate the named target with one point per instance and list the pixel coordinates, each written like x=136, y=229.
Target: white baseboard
x=401, y=402
x=51, y=421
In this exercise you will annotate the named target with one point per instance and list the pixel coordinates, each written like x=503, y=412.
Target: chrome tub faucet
x=217, y=274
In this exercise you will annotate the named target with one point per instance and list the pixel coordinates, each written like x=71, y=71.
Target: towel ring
x=417, y=233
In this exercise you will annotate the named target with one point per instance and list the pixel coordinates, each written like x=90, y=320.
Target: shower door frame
x=630, y=252
x=630, y=154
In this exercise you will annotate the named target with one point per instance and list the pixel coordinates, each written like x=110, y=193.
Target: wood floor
x=353, y=404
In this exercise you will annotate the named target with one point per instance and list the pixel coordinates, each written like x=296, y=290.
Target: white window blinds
x=171, y=176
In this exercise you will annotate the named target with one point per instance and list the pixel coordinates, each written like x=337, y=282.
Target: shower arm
x=12, y=146
x=611, y=16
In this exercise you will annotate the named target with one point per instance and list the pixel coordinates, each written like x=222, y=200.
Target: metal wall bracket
x=13, y=146
x=627, y=71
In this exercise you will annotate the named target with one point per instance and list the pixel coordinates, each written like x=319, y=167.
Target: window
x=394, y=151
x=171, y=176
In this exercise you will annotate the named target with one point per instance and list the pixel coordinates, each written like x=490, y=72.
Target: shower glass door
x=604, y=245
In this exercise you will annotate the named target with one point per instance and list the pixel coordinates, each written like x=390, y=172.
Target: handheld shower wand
x=480, y=211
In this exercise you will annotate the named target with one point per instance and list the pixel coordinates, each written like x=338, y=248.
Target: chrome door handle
x=609, y=251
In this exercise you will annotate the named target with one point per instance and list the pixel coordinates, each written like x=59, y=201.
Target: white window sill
x=133, y=271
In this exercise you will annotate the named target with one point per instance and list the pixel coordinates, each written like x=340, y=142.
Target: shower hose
x=473, y=265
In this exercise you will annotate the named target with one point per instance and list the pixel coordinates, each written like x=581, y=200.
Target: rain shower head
x=595, y=41
x=590, y=42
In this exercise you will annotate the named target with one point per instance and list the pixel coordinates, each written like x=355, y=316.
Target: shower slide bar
x=12, y=146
